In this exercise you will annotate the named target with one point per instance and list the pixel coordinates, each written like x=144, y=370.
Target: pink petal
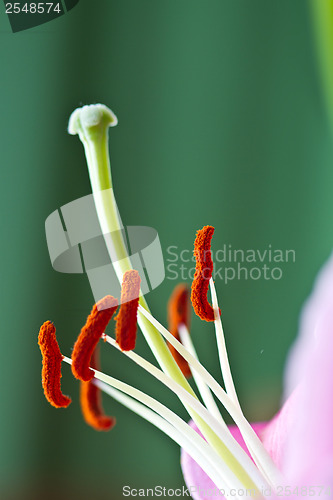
x=276, y=432
x=309, y=453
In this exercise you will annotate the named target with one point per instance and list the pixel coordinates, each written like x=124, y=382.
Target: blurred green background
x=222, y=121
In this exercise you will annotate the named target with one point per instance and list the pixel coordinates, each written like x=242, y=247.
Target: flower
x=256, y=460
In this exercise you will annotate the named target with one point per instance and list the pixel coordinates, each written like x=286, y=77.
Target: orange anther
x=126, y=326
x=51, y=372
x=91, y=402
x=203, y=273
x=179, y=313
x=90, y=334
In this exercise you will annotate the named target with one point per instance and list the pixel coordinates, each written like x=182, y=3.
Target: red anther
x=203, y=273
x=126, y=326
x=179, y=313
x=92, y=331
x=91, y=402
x=51, y=372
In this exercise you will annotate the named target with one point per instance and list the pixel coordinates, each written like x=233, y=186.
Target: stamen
x=175, y=428
x=92, y=331
x=126, y=326
x=51, y=372
x=91, y=401
x=203, y=273
x=252, y=441
x=179, y=314
x=234, y=456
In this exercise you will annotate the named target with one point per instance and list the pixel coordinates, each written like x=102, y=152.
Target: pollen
x=126, y=326
x=203, y=273
x=90, y=334
x=179, y=314
x=51, y=372
x=91, y=402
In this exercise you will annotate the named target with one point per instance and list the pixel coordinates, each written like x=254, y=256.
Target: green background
x=222, y=122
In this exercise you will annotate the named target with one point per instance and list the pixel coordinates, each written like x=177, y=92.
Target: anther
x=91, y=402
x=203, y=273
x=51, y=372
x=126, y=326
x=92, y=331
x=178, y=314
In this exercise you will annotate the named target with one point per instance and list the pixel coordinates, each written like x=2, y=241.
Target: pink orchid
x=300, y=437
